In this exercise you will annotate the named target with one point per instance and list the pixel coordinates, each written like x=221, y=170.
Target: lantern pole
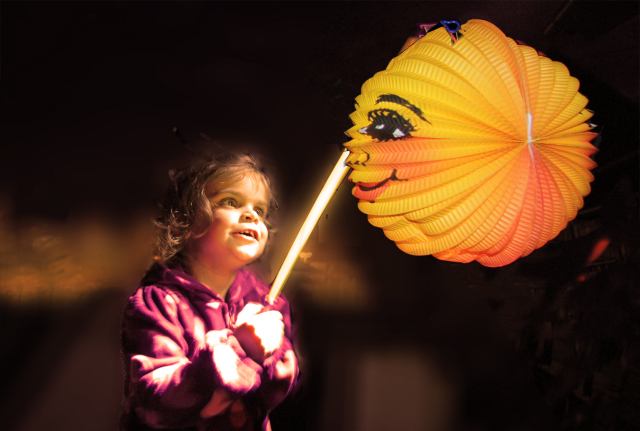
x=330, y=186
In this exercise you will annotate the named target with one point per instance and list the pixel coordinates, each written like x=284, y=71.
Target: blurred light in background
x=52, y=261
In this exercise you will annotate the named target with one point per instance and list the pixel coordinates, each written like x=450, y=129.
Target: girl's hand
x=259, y=332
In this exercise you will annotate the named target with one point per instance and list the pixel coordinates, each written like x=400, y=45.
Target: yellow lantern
x=468, y=147
x=471, y=148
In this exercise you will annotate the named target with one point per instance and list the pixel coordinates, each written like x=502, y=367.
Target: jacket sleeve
x=280, y=370
x=175, y=370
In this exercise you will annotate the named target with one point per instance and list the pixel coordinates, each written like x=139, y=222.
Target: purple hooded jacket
x=185, y=370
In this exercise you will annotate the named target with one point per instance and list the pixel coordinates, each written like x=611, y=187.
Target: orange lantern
x=467, y=147
x=471, y=147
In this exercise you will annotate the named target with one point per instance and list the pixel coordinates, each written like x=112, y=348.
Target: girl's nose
x=249, y=214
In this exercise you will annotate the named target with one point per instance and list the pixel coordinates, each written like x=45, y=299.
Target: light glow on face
x=238, y=234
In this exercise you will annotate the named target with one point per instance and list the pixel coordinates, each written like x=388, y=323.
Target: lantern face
x=473, y=150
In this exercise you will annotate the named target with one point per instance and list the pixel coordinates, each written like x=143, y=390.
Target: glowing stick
x=330, y=187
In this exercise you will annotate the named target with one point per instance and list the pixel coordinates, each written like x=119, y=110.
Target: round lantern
x=470, y=146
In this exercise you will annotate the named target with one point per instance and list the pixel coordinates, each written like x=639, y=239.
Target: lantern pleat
x=476, y=105
x=411, y=201
x=420, y=150
x=573, y=115
x=477, y=150
x=466, y=177
x=577, y=174
x=551, y=106
x=445, y=240
x=377, y=173
x=546, y=83
x=561, y=114
x=459, y=213
x=570, y=197
x=438, y=175
x=463, y=68
x=500, y=66
x=404, y=233
x=495, y=226
x=551, y=200
x=422, y=214
x=519, y=228
x=509, y=211
x=575, y=142
x=388, y=222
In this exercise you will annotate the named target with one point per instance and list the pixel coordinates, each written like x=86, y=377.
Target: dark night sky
x=91, y=91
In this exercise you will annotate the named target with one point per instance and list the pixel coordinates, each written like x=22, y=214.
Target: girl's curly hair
x=185, y=201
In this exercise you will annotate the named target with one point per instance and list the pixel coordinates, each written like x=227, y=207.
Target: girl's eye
x=260, y=212
x=230, y=202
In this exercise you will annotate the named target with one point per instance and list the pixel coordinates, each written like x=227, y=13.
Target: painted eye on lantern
x=386, y=125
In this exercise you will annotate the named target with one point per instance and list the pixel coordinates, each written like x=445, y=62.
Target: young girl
x=200, y=351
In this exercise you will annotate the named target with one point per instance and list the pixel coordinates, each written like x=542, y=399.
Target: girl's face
x=237, y=235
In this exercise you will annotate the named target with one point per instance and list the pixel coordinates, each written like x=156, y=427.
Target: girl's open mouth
x=248, y=234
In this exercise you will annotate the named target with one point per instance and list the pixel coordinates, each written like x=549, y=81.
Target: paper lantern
x=471, y=147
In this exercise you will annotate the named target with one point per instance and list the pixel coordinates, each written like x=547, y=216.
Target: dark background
x=91, y=95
